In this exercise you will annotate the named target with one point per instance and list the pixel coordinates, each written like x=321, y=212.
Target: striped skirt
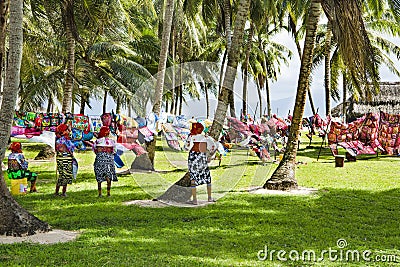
x=64, y=168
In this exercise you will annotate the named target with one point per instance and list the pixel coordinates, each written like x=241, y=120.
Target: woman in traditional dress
x=18, y=166
x=64, y=158
x=198, y=144
x=104, y=167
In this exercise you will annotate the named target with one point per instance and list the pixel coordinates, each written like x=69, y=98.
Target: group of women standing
x=104, y=167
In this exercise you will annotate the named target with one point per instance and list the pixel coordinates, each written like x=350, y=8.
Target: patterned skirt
x=104, y=167
x=64, y=168
x=198, y=168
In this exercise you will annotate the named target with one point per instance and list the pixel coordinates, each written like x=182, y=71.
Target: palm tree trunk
x=206, y=87
x=180, y=100
x=327, y=78
x=105, y=101
x=129, y=108
x=228, y=37
x=230, y=74
x=246, y=69
x=283, y=177
x=11, y=84
x=3, y=26
x=231, y=99
x=69, y=81
x=176, y=99
x=228, y=31
x=310, y=99
x=344, y=110
x=168, y=15
x=259, y=101
x=84, y=97
x=221, y=74
x=267, y=90
x=49, y=105
x=167, y=24
x=173, y=53
x=118, y=106
x=15, y=220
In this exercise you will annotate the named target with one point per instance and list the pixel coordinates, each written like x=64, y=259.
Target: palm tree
x=298, y=11
x=42, y=70
x=3, y=26
x=245, y=68
x=327, y=68
x=69, y=25
x=233, y=59
x=167, y=22
x=265, y=60
x=358, y=55
x=377, y=21
x=107, y=37
x=15, y=219
x=262, y=15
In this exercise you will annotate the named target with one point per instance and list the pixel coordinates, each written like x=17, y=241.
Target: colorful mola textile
x=358, y=137
x=389, y=136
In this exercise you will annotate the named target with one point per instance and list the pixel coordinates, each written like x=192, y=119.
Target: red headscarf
x=62, y=130
x=15, y=147
x=104, y=131
x=197, y=128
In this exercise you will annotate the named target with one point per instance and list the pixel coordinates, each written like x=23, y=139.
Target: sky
x=282, y=92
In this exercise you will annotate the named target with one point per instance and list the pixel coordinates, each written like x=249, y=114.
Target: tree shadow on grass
x=229, y=233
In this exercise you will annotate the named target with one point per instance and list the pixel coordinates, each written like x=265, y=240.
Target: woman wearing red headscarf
x=104, y=167
x=198, y=144
x=64, y=158
x=18, y=166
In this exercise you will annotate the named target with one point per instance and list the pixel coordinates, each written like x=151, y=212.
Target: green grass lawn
x=358, y=203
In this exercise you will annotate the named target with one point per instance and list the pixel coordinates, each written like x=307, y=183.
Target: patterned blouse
x=64, y=145
x=16, y=161
x=104, y=144
x=200, y=138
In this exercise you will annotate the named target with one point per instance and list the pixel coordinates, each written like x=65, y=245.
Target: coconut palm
x=262, y=14
x=42, y=70
x=107, y=37
x=377, y=21
x=15, y=220
x=233, y=60
x=297, y=12
x=69, y=27
x=266, y=61
x=3, y=26
x=357, y=54
x=167, y=23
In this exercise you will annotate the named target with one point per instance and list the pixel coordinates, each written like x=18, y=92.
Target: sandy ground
x=163, y=204
x=52, y=237
x=299, y=191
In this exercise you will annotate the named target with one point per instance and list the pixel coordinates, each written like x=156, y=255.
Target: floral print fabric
x=198, y=168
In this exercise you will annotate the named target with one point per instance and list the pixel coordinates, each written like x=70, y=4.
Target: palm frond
x=356, y=49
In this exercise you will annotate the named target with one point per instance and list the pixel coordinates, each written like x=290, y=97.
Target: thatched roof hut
x=387, y=100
